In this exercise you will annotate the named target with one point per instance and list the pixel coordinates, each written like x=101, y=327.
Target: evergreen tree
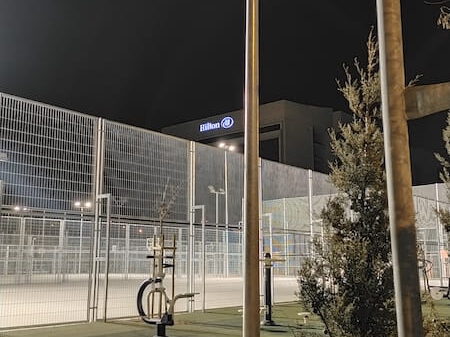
x=349, y=280
x=444, y=214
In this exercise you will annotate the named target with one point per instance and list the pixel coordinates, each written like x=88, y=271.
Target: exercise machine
x=268, y=301
x=160, y=307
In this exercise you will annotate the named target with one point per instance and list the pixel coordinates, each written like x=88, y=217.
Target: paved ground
x=50, y=303
x=215, y=322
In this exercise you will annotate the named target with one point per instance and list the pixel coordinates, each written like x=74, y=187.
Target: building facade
x=290, y=133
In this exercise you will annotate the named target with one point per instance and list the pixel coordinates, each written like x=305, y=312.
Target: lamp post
x=398, y=170
x=227, y=148
x=82, y=206
x=216, y=192
x=251, y=171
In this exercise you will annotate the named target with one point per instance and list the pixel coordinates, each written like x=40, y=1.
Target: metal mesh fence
x=143, y=169
x=64, y=255
x=47, y=155
x=44, y=266
x=431, y=236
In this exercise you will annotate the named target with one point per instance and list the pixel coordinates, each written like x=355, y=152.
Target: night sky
x=154, y=63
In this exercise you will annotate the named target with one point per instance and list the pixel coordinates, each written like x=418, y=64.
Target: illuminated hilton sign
x=225, y=123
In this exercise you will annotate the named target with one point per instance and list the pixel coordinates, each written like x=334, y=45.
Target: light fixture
x=212, y=189
x=227, y=147
x=20, y=208
x=82, y=205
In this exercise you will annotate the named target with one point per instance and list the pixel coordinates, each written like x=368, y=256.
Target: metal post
x=7, y=261
x=285, y=229
x=62, y=229
x=107, y=252
x=127, y=250
x=190, y=271
x=19, y=266
x=217, y=233
x=226, y=214
x=439, y=235
x=311, y=219
x=251, y=171
x=203, y=254
x=81, y=242
x=95, y=235
x=202, y=207
x=242, y=238
x=398, y=173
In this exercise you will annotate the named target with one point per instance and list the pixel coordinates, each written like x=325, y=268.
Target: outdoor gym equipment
x=268, y=265
x=436, y=292
x=163, y=257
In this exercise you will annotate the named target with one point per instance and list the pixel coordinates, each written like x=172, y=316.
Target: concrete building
x=290, y=133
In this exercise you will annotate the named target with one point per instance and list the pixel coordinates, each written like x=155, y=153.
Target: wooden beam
x=424, y=100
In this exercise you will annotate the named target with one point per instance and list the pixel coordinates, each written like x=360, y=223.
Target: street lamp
x=212, y=190
x=82, y=205
x=227, y=148
x=221, y=191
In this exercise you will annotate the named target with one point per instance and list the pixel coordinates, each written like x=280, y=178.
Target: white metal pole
x=202, y=207
x=226, y=214
x=107, y=253
x=217, y=233
x=439, y=235
x=190, y=273
x=285, y=229
x=81, y=242
x=311, y=219
x=217, y=208
x=127, y=249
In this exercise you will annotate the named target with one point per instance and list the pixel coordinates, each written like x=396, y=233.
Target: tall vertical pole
x=217, y=233
x=226, y=215
x=107, y=254
x=202, y=208
x=310, y=211
x=251, y=193
x=81, y=242
x=439, y=235
x=398, y=170
x=286, y=249
x=191, y=238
